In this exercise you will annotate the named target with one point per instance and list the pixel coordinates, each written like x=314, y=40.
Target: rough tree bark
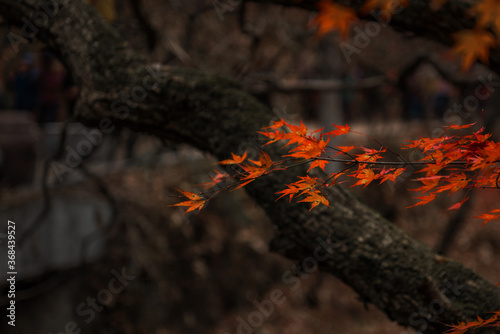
x=386, y=267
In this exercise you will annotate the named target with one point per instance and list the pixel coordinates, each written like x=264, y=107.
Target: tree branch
x=386, y=267
x=418, y=19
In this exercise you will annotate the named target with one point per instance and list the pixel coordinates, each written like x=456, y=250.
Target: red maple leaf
x=218, y=178
x=318, y=163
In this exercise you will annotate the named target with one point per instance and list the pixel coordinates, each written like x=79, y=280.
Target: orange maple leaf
x=463, y=327
x=492, y=215
x=318, y=163
x=341, y=129
x=391, y=175
x=431, y=170
x=195, y=201
x=276, y=125
x=274, y=136
x=344, y=149
x=333, y=178
x=367, y=157
x=424, y=200
x=264, y=160
x=365, y=176
x=235, y=160
x=458, y=127
x=261, y=167
x=306, y=184
x=300, y=130
x=472, y=45
x=455, y=183
x=459, y=204
x=292, y=190
x=308, y=149
x=332, y=16
x=244, y=183
x=315, y=198
x=487, y=13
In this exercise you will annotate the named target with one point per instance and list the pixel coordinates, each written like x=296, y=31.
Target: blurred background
x=99, y=250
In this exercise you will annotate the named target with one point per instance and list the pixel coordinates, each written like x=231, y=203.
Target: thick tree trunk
x=386, y=267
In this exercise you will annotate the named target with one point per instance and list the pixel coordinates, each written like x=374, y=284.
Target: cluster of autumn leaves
x=458, y=162
x=453, y=162
x=464, y=327
x=450, y=163
x=470, y=44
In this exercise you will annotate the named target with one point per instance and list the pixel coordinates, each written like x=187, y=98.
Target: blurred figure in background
x=414, y=100
x=24, y=83
x=442, y=97
x=4, y=98
x=348, y=94
x=71, y=93
x=51, y=81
